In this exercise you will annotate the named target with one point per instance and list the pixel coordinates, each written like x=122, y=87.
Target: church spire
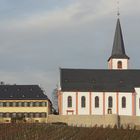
x=118, y=59
x=118, y=50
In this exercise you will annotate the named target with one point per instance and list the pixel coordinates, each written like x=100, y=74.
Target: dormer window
x=94, y=81
x=11, y=96
x=121, y=81
x=119, y=64
x=66, y=80
x=5, y=89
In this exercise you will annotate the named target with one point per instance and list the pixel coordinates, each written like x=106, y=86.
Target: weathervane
x=118, y=8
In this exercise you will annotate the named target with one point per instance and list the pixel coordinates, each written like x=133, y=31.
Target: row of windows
x=23, y=104
x=26, y=115
x=83, y=102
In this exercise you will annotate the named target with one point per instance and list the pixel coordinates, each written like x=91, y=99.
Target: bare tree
x=55, y=100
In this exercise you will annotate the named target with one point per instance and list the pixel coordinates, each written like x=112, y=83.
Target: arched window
x=69, y=101
x=123, y=102
x=110, y=102
x=83, y=101
x=96, y=102
x=119, y=65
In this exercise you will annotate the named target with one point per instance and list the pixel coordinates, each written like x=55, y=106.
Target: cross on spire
x=118, y=8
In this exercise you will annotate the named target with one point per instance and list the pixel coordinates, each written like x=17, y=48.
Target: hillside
x=63, y=132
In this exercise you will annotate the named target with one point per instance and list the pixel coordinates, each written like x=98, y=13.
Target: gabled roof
x=99, y=80
x=118, y=50
x=21, y=92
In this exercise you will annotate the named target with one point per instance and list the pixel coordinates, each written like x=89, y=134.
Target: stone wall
x=85, y=120
x=99, y=120
x=132, y=121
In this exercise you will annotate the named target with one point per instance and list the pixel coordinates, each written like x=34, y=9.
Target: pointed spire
x=118, y=50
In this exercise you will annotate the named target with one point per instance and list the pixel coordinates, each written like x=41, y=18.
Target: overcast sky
x=39, y=36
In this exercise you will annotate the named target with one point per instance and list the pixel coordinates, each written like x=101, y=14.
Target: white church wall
x=128, y=109
x=84, y=110
x=65, y=107
x=99, y=110
x=137, y=101
x=124, y=63
x=113, y=95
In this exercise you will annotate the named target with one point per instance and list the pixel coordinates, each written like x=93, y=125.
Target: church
x=115, y=90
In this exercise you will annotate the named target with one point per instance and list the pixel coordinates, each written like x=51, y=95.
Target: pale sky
x=39, y=36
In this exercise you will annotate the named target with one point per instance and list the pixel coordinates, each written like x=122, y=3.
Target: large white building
x=100, y=92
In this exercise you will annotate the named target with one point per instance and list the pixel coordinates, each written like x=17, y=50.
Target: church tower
x=118, y=59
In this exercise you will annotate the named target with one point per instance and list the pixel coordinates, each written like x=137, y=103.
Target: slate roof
x=99, y=80
x=21, y=92
x=118, y=50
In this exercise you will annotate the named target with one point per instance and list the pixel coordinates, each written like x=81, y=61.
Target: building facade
x=115, y=90
x=23, y=103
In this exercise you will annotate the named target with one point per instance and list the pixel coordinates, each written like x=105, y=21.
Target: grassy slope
x=61, y=132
